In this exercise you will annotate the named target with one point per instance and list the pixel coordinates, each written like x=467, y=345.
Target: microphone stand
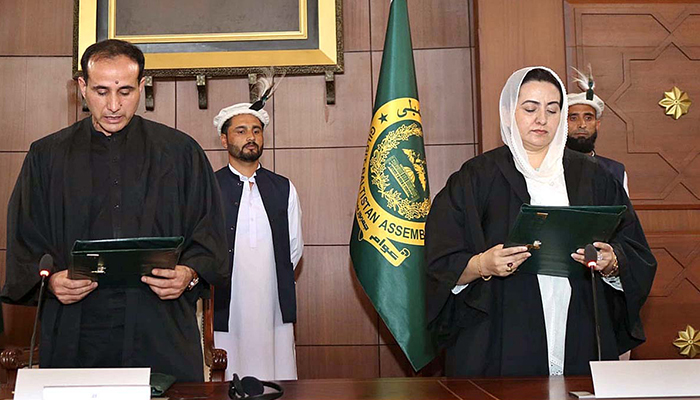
x=36, y=317
x=595, y=312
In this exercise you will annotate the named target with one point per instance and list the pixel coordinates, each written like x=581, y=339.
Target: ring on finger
x=509, y=267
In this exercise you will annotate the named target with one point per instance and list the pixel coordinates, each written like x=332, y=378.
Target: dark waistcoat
x=614, y=167
x=274, y=190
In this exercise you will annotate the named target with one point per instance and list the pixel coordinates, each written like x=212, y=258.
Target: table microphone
x=45, y=266
x=591, y=255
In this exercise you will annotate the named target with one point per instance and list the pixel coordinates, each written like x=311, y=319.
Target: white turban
x=580, y=98
x=237, y=109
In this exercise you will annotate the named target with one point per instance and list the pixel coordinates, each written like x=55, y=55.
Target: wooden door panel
x=638, y=51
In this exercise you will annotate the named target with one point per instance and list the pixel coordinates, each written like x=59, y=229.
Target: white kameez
x=258, y=343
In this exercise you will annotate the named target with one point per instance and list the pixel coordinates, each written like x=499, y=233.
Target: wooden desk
x=405, y=388
x=399, y=388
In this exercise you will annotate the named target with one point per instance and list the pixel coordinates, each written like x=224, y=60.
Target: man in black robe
x=116, y=175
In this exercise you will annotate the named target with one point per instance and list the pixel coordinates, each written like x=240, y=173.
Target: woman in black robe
x=493, y=321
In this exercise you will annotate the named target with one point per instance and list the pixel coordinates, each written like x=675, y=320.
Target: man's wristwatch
x=194, y=281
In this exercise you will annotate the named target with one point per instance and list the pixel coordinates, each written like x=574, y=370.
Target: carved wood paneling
x=638, y=51
x=674, y=301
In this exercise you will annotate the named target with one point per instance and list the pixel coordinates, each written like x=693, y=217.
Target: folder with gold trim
x=553, y=233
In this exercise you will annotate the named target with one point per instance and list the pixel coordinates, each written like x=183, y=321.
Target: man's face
x=582, y=121
x=583, y=128
x=244, y=138
x=112, y=92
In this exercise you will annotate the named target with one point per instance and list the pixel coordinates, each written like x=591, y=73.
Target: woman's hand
x=501, y=261
x=606, y=262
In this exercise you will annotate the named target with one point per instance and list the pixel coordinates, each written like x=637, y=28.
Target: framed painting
x=212, y=38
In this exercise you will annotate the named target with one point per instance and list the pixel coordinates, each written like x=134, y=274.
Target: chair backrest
x=215, y=360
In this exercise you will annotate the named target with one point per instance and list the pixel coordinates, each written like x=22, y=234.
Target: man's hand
x=69, y=291
x=170, y=282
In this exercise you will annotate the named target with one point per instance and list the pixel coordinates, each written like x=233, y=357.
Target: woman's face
x=537, y=114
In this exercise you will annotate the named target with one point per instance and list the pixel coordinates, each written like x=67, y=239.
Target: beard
x=243, y=154
x=583, y=145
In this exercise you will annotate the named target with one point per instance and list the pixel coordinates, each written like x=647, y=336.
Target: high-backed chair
x=215, y=360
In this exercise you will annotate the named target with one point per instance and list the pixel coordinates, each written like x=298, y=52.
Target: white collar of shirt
x=243, y=177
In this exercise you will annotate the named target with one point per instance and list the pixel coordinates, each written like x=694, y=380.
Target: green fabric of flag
x=394, y=199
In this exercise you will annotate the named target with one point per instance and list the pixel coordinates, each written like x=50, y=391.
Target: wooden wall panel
x=36, y=27
x=325, y=362
x=41, y=86
x=434, y=24
x=669, y=220
x=615, y=30
x=332, y=307
x=220, y=93
x=13, y=99
x=304, y=120
x=18, y=320
x=356, y=25
x=443, y=161
x=513, y=35
x=327, y=181
x=10, y=165
x=638, y=51
x=675, y=297
x=445, y=94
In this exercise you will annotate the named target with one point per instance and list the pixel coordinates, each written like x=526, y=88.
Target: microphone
x=591, y=256
x=45, y=266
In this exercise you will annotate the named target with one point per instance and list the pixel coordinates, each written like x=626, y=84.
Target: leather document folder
x=122, y=262
x=553, y=233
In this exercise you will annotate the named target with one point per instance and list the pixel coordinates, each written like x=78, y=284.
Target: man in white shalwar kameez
x=255, y=326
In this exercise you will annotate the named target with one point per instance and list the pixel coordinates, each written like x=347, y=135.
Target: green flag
x=394, y=199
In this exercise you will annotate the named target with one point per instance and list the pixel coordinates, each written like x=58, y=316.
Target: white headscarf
x=552, y=167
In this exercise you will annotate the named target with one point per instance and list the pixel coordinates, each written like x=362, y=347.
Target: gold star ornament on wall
x=676, y=102
x=688, y=341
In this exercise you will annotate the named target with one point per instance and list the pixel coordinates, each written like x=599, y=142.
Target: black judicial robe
x=496, y=327
x=169, y=190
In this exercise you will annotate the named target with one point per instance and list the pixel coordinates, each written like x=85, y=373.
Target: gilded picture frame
x=314, y=46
